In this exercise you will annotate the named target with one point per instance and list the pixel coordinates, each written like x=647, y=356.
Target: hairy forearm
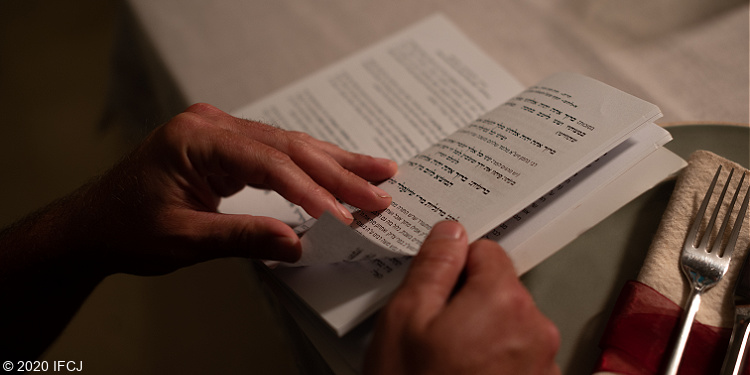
x=45, y=274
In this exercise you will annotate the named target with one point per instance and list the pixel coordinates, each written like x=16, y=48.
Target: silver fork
x=704, y=267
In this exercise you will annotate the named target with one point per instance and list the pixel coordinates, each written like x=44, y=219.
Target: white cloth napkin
x=661, y=268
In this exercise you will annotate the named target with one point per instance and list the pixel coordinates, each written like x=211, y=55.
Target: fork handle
x=733, y=363
x=686, y=322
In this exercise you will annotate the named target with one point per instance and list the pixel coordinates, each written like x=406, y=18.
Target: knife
x=733, y=363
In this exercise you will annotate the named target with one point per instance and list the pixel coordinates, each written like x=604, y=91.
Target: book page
x=375, y=111
x=391, y=100
x=345, y=293
x=488, y=171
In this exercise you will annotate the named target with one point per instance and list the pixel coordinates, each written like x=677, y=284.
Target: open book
x=529, y=167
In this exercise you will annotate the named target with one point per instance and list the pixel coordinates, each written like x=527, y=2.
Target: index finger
x=365, y=166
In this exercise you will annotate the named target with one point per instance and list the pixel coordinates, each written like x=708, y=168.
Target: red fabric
x=639, y=333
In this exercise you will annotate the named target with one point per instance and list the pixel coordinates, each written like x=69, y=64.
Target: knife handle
x=733, y=362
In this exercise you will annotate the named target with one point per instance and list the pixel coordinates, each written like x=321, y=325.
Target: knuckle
x=513, y=298
x=201, y=108
x=172, y=136
x=274, y=165
x=438, y=259
x=551, y=335
x=347, y=181
x=276, y=158
x=298, y=136
x=182, y=124
x=261, y=126
x=519, y=297
x=309, y=198
x=311, y=194
x=298, y=143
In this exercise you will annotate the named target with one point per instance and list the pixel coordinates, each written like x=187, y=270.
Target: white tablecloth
x=690, y=57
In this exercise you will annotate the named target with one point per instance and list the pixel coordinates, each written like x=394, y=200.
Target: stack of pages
x=531, y=168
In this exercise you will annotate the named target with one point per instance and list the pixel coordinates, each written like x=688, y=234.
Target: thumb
x=227, y=235
x=435, y=270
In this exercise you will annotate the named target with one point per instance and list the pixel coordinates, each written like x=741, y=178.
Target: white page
x=566, y=195
x=492, y=168
x=529, y=237
x=392, y=100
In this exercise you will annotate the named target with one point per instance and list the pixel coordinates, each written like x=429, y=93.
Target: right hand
x=490, y=325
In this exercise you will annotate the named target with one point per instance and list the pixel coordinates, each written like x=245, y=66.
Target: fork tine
x=740, y=216
x=710, y=226
x=693, y=232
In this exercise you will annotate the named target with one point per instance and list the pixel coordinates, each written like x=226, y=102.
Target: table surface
x=689, y=58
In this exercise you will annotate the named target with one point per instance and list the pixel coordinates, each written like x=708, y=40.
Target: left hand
x=156, y=210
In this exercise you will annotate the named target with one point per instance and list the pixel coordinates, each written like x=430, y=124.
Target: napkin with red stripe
x=639, y=333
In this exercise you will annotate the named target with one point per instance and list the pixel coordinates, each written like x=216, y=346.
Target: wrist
x=52, y=237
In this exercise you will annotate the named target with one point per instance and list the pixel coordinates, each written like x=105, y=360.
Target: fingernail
x=384, y=160
x=379, y=192
x=344, y=211
x=387, y=163
x=450, y=230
